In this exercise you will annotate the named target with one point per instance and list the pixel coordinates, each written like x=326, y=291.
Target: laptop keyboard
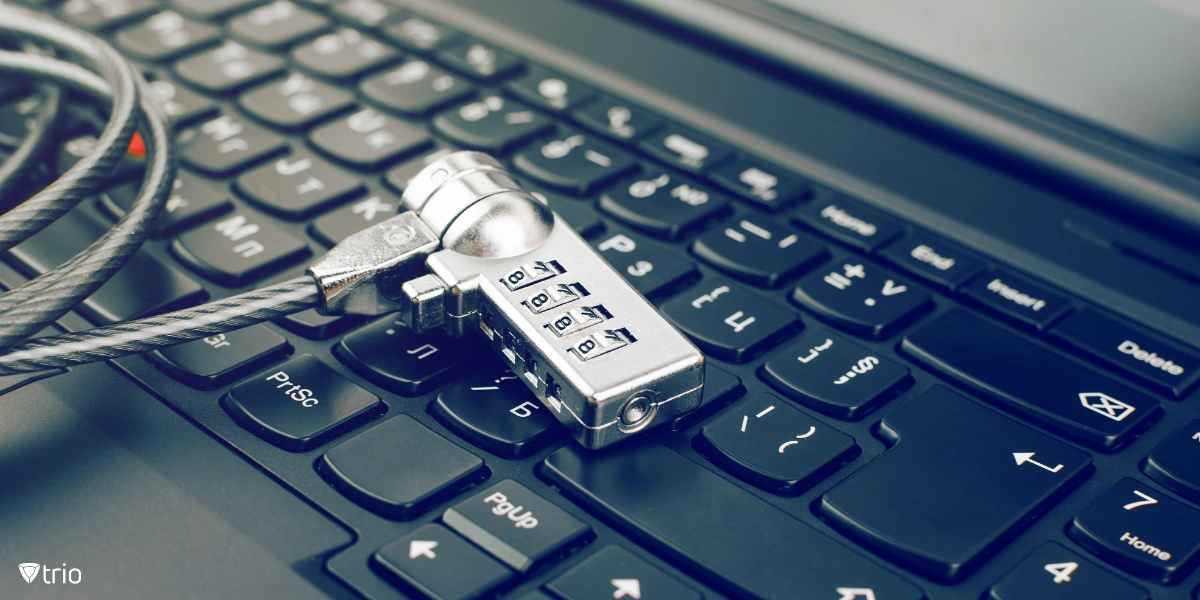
x=886, y=416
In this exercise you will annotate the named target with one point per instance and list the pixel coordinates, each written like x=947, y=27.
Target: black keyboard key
x=391, y=356
x=932, y=259
x=759, y=251
x=850, y=223
x=367, y=139
x=192, y=201
x=578, y=215
x=761, y=183
x=238, y=249
x=617, y=119
x=98, y=15
x=419, y=34
x=1176, y=462
x=728, y=321
x=1152, y=358
x=295, y=102
x=217, y=360
x=515, y=525
x=1053, y=572
x=227, y=144
x=145, y=286
x=400, y=468
x=298, y=186
x=316, y=326
x=416, y=88
x=662, y=205
x=1030, y=380
x=833, y=375
x=496, y=412
x=930, y=502
x=343, y=54
x=686, y=149
x=551, y=91
x=166, y=35
x=228, y=67
x=774, y=446
x=1141, y=530
x=212, y=9
x=180, y=104
x=364, y=13
x=440, y=565
x=1017, y=298
x=479, y=60
x=720, y=388
x=861, y=298
x=615, y=572
x=300, y=404
x=277, y=24
x=492, y=124
x=353, y=218
x=713, y=526
x=573, y=163
x=650, y=268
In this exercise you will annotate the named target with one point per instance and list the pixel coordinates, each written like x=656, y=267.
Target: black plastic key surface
x=495, y=411
x=238, y=249
x=343, y=54
x=721, y=532
x=1017, y=298
x=217, y=360
x=650, y=268
x=1176, y=462
x=192, y=201
x=295, y=101
x=729, y=321
x=1053, y=572
x=850, y=223
x=212, y=9
x=1031, y=380
x=1165, y=364
x=663, y=205
x=397, y=177
x=686, y=149
x=417, y=33
x=276, y=24
x=491, y=124
x=774, y=446
x=720, y=388
x=551, y=91
x=98, y=15
x=439, y=565
x=227, y=144
x=415, y=88
x=759, y=251
x=390, y=355
x=298, y=186
x=573, y=163
x=180, y=104
x=761, y=183
x=364, y=13
x=959, y=481
x=366, y=139
x=165, y=35
x=354, y=217
x=617, y=119
x=400, y=468
x=614, y=572
x=578, y=215
x=300, y=404
x=932, y=259
x=228, y=67
x=1141, y=530
x=479, y=60
x=861, y=298
x=831, y=374
x=515, y=525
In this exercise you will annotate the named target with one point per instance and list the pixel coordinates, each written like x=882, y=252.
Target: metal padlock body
x=604, y=378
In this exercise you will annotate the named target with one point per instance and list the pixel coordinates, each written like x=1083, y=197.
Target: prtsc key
x=478, y=255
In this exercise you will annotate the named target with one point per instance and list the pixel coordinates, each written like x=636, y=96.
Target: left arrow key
x=435, y=562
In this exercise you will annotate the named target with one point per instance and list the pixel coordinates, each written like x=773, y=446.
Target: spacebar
x=726, y=536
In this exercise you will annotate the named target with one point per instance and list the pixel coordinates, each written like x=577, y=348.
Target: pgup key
x=500, y=266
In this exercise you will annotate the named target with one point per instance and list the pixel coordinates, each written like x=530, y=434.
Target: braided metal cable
x=143, y=335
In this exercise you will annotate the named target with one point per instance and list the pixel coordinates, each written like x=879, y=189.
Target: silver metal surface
x=424, y=303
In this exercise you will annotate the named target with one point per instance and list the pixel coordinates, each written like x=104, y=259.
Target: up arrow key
x=856, y=593
x=1196, y=437
x=422, y=548
x=631, y=588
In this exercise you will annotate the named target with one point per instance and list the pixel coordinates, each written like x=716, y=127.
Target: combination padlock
x=592, y=348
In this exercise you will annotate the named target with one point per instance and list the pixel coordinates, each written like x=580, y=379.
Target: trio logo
x=29, y=571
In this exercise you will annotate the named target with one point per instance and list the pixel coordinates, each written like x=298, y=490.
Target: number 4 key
x=1053, y=572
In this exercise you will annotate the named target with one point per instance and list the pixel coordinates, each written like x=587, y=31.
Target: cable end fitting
x=366, y=274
